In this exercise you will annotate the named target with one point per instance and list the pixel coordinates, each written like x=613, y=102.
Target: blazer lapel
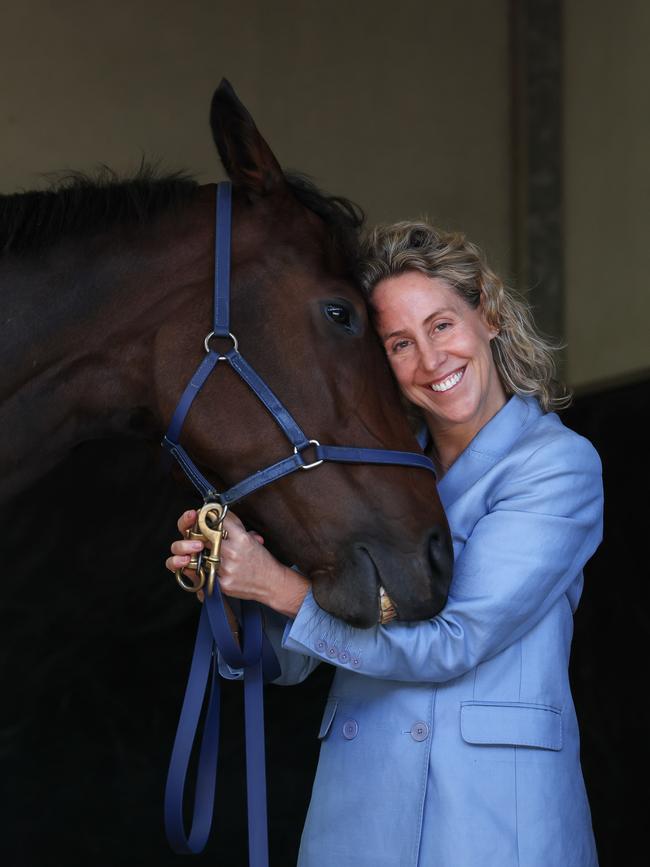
x=490, y=444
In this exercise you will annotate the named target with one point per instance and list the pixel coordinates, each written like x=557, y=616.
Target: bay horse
x=106, y=289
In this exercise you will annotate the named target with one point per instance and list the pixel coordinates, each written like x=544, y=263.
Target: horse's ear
x=245, y=155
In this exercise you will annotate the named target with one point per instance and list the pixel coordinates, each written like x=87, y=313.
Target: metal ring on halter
x=216, y=506
x=235, y=344
x=316, y=463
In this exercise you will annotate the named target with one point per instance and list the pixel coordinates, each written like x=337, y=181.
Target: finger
x=227, y=585
x=186, y=546
x=177, y=562
x=186, y=520
x=232, y=523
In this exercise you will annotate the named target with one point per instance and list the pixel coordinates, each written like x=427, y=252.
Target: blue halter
x=256, y=656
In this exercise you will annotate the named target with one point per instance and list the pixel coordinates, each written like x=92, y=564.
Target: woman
x=453, y=741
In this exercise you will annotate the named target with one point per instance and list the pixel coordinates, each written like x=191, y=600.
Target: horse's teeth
x=387, y=610
x=446, y=384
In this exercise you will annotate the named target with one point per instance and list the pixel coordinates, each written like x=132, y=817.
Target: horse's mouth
x=355, y=592
x=387, y=610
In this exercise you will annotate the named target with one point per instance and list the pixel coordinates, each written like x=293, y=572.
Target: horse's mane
x=79, y=204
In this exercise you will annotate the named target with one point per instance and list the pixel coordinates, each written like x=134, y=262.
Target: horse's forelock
x=342, y=217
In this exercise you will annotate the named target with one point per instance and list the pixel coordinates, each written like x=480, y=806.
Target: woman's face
x=439, y=350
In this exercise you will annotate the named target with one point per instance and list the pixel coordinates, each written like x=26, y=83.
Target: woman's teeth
x=448, y=383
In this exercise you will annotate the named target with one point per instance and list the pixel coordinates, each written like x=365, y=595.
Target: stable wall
x=402, y=107
x=607, y=190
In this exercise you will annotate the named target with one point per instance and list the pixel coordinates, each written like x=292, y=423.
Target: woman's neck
x=443, y=452
x=449, y=441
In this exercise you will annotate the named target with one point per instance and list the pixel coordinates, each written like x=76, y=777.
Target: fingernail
x=196, y=546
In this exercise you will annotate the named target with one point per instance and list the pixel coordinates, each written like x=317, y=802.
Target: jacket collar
x=491, y=443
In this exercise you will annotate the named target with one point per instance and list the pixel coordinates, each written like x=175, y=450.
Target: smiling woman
x=458, y=341
x=459, y=730
x=439, y=348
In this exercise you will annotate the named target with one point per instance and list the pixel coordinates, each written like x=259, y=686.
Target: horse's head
x=302, y=323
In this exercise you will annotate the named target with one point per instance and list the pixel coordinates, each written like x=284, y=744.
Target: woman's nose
x=431, y=358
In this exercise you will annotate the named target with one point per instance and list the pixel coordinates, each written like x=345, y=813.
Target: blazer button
x=350, y=729
x=419, y=731
x=333, y=652
x=321, y=645
x=344, y=657
x=355, y=662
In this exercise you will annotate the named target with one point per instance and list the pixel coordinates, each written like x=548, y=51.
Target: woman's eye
x=338, y=314
x=399, y=346
x=441, y=326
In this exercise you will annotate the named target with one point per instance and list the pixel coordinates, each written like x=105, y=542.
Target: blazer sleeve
x=294, y=666
x=543, y=524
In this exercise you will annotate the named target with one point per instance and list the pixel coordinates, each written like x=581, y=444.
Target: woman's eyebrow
x=426, y=321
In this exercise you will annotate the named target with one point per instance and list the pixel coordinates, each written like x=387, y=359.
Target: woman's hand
x=247, y=570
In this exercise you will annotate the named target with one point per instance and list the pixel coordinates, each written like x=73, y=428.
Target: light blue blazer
x=454, y=742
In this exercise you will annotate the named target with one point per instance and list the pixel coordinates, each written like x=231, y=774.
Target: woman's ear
x=492, y=330
x=488, y=317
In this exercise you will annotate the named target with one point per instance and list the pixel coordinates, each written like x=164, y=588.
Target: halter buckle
x=206, y=343
x=315, y=463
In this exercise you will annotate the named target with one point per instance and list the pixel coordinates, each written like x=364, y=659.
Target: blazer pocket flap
x=512, y=724
x=328, y=716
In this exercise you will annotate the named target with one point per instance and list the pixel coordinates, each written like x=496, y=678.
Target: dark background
x=96, y=642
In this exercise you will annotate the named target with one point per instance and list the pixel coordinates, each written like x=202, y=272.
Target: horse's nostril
x=440, y=552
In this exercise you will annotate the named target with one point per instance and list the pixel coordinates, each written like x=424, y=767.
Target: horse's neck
x=76, y=355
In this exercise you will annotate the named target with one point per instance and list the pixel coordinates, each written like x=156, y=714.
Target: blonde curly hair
x=524, y=358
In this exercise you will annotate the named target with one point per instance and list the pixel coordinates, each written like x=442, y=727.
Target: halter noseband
x=256, y=656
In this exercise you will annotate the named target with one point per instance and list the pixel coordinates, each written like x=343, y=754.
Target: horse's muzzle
x=374, y=577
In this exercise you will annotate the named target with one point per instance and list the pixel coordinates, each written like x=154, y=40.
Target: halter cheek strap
x=279, y=413
x=214, y=636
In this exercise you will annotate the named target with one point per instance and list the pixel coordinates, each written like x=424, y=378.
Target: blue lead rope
x=259, y=663
x=214, y=637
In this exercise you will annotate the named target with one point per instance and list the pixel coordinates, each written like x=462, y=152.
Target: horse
x=106, y=289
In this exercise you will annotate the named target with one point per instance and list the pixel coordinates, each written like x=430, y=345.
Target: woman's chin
x=454, y=413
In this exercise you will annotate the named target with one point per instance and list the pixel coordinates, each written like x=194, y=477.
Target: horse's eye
x=344, y=315
x=338, y=314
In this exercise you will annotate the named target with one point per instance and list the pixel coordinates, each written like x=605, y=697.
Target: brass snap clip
x=208, y=528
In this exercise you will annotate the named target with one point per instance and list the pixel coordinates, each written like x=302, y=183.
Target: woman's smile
x=446, y=383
